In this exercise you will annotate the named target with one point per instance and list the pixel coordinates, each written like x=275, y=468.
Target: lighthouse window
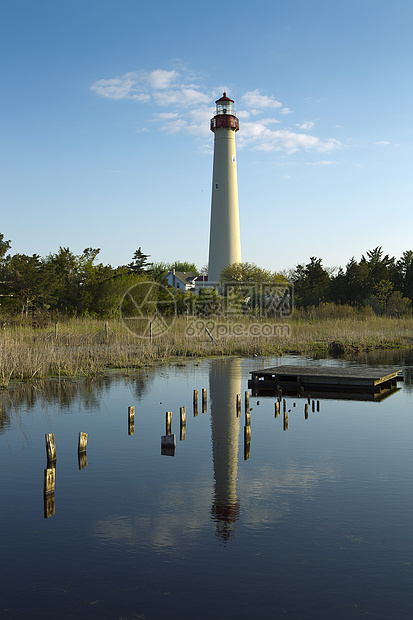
x=216, y=185
x=233, y=159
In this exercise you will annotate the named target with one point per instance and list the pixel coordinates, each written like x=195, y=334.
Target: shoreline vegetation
x=85, y=347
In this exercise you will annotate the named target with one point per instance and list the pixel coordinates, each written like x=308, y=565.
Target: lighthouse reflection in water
x=319, y=516
x=224, y=385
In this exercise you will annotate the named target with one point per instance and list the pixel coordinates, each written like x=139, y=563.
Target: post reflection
x=224, y=385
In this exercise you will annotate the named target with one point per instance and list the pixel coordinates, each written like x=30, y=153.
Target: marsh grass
x=83, y=347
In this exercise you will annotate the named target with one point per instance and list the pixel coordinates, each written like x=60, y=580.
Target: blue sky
x=105, y=140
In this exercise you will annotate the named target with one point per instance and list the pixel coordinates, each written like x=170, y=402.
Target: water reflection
x=324, y=504
x=224, y=385
x=49, y=490
x=66, y=393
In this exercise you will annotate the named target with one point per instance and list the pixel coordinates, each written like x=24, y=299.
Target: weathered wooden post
x=106, y=329
x=168, y=444
x=50, y=447
x=82, y=442
x=238, y=405
x=131, y=420
x=182, y=413
x=247, y=400
x=204, y=400
x=285, y=420
x=81, y=451
x=277, y=409
x=55, y=330
x=318, y=405
x=247, y=418
x=309, y=399
x=284, y=405
x=306, y=411
x=313, y=406
x=195, y=403
x=168, y=419
x=182, y=434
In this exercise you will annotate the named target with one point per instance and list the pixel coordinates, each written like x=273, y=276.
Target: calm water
x=316, y=523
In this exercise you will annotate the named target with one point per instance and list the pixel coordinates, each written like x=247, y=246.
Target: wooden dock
x=296, y=379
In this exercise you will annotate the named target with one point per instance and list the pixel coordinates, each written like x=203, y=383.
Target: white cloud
x=124, y=87
x=253, y=130
x=323, y=162
x=259, y=137
x=305, y=125
x=165, y=116
x=160, y=79
x=184, y=97
x=269, y=121
x=134, y=85
x=382, y=142
x=188, y=108
x=253, y=99
x=174, y=126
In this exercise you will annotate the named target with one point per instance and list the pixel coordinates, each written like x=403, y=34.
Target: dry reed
x=83, y=347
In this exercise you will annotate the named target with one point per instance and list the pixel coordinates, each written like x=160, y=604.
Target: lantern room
x=225, y=114
x=225, y=105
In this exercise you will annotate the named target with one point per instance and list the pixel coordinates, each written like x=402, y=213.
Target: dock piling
x=131, y=420
x=168, y=422
x=82, y=442
x=50, y=447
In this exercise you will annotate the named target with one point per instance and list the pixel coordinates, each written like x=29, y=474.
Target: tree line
x=377, y=280
x=66, y=283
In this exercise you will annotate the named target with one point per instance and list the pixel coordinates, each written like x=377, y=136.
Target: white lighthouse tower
x=224, y=241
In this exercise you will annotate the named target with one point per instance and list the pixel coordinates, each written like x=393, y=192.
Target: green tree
x=311, y=283
x=159, y=271
x=139, y=263
x=245, y=273
x=397, y=305
x=404, y=274
x=382, y=293
x=183, y=266
x=379, y=267
x=5, y=245
x=29, y=281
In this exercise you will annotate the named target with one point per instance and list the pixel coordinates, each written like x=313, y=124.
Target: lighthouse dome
x=225, y=105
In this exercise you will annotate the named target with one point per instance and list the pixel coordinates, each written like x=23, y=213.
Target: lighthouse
x=224, y=241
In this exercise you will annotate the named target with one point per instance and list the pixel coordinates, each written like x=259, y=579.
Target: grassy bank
x=83, y=347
